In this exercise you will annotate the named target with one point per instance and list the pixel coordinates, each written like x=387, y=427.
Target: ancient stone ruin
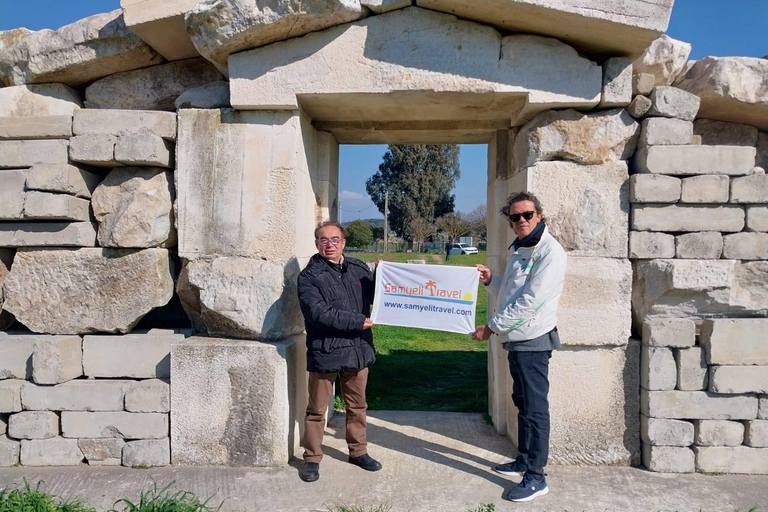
x=178, y=154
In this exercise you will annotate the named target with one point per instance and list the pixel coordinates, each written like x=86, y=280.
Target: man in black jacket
x=335, y=294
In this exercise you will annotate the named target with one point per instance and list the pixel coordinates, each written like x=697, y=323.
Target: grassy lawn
x=423, y=370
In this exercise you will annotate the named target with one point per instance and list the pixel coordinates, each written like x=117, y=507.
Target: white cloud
x=352, y=196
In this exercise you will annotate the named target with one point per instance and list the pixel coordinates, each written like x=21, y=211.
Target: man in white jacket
x=526, y=325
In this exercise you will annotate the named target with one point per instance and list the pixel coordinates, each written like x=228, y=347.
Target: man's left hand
x=482, y=332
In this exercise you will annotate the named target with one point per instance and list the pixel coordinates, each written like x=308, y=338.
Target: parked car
x=463, y=249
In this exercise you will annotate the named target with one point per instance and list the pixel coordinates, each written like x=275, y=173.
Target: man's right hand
x=485, y=274
x=367, y=324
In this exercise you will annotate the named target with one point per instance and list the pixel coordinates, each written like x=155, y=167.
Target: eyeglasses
x=329, y=241
x=515, y=217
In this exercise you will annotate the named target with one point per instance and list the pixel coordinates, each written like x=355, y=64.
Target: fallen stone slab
x=743, y=460
x=10, y=395
x=33, y=425
x=669, y=332
x=125, y=425
x=721, y=133
x=39, y=127
x=16, y=355
x=76, y=395
x=12, y=193
x=48, y=234
x=213, y=95
x=152, y=395
x=102, y=452
x=64, y=179
x=26, y=153
x=147, y=453
x=9, y=452
x=144, y=148
x=50, y=452
x=664, y=60
x=97, y=149
x=697, y=405
x=76, y=54
x=152, y=88
x=123, y=122
x=57, y=359
x=719, y=432
x=654, y=188
x=650, y=217
x=85, y=299
x=39, y=100
x=667, y=101
x=661, y=432
x=710, y=189
x=735, y=341
x=47, y=206
x=704, y=245
x=617, y=83
x=135, y=356
x=693, y=160
x=160, y=24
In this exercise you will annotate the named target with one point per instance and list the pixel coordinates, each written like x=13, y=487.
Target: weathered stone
x=102, y=452
x=42, y=234
x=643, y=84
x=696, y=141
x=382, y=6
x=220, y=28
x=123, y=122
x=16, y=355
x=144, y=148
x=134, y=207
x=152, y=88
x=126, y=425
x=152, y=395
x=659, y=131
x=10, y=395
x=617, y=83
x=3, y=424
x=697, y=405
x=659, y=432
x=648, y=245
x=147, y=453
x=57, y=359
x=668, y=459
x=39, y=100
x=75, y=395
x=26, y=153
x=669, y=332
x=757, y=218
x=64, y=179
x=664, y=59
x=136, y=356
x=657, y=368
x=692, y=160
x=6, y=319
x=639, y=106
x=96, y=149
x=762, y=150
x=699, y=246
x=719, y=133
x=706, y=189
x=47, y=206
x=649, y=217
x=654, y=188
x=212, y=95
x=763, y=412
x=735, y=341
x=160, y=24
x=750, y=189
x=12, y=194
x=757, y=434
x=76, y=54
x=738, y=379
x=673, y=102
x=33, y=425
x=41, y=127
x=731, y=89
x=93, y=290
x=10, y=37
x=746, y=246
x=50, y=452
x=9, y=452
x=736, y=460
x=691, y=369
x=719, y=432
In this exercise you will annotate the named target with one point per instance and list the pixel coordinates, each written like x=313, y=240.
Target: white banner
x=436, y=297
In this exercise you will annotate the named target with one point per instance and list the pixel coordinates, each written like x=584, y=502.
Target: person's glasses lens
x=515, y=217
x=326, y=241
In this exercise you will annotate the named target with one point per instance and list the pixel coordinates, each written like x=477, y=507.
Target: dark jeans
x=530, y=370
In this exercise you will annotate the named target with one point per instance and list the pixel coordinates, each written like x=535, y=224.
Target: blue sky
x=713, y=27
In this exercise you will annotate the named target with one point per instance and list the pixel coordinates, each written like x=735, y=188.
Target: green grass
x=165, y=499
x=27, y=499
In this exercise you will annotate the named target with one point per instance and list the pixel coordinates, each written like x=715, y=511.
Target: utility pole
x=386, y=221
x=338, y=214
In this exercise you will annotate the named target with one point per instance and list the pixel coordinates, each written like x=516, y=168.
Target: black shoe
x=310, y=471
x=514, y=468
x=366, y=462
x=528, y=489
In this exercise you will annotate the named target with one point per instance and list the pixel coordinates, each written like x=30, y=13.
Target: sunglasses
x=515, y=217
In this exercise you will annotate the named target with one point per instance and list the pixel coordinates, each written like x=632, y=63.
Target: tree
x=419, y=179
x=359, y=233
x=420, y=229
x=478, y=220
x=454, y=225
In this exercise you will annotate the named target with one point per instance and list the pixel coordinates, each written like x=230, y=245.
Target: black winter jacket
x=335, y=303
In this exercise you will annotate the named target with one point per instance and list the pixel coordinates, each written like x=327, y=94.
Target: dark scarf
x=532, y=239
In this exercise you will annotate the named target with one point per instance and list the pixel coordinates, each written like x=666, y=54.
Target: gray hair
x=331, y=223
x=522, y=196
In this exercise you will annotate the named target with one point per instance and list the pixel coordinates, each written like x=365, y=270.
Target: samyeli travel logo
x=429, y=291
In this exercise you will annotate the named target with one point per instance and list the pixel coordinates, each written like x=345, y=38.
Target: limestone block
x=692, y=160
x=643, y=84
x=10, y=37
x=87, y=290
x=750, y=189
x=50, y=452
x=658, y=370
x=382, y=6
x=76, y=395
x=617, y=83
x=152, y=88
x=63, y=179
x=3, y=424
x=96, y=149
x=212, y=95
x=9, y=452
x=654, y=188
x=10, y=395
x=659, y=432
x=39, y=100
x=42, y=234
x=77, y=53
x=16, y=356
x=12, y=194
x=144, y=148
x=160, y=24
x=659, y=131
x=746, y=246
x=123, y=122
x=699, y=246
x=669, y=332
x=737, y=460
x=134, y=207
x=221, y=28
x=57, y=359
x=43, y=127
x=26, y=153
x=697, y=405
x=135, y=356
x=757, y=434
x=639, y=107
x=147, y=452
x=762, y=150
x=757, y=218
x=668, y=459
x=738, y=379
x=691, y=369
x=233, y=402
x=102, y=452
x=648, y=245
x=706, y=189
x=6, y=319
x=33, y=425
x=725, y=218
x=719, y=432
x=673, y=102
x=664, y=59
x=720, y=133
x=152, y=395
x=47, y=206
x=763, y=412
x=731, y=89
x=125, y=425
x=735, y=341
